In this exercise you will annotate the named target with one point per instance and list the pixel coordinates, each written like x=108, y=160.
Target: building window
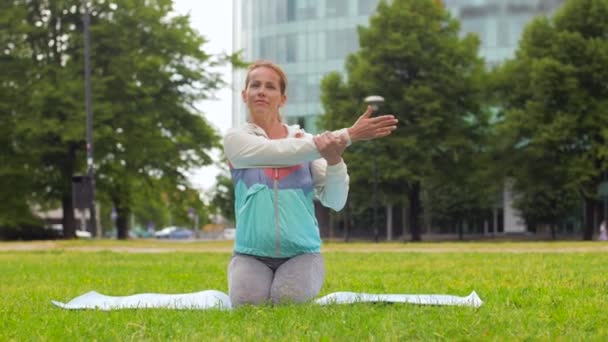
x=301, y=10
x=281, y=11
x=245, y=14
x=340, y=43
x=367, y=7
x=291, y=10
x=291, y=48
x=313, y=87
x=520, y=8
x=478, y=11
x=281, y=52
x=476, y=25
x=297, y=88
x=268, y=48
x=337, y=8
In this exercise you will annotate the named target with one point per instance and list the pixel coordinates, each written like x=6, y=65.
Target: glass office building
x=310, y=38
x=498, y=23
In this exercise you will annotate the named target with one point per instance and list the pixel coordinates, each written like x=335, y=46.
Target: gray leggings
x=256, y=280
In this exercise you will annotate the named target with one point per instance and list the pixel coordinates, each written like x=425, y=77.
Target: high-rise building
x=498, y=23
x=310, y=38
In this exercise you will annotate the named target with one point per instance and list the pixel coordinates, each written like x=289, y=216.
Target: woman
x=276, y=170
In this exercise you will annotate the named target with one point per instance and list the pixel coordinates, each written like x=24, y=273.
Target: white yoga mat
x=213, y=299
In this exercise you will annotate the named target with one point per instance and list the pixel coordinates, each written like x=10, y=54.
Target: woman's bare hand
x=330, y=147
x=367, y=128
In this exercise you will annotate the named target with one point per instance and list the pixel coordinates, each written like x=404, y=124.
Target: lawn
x=531, y=291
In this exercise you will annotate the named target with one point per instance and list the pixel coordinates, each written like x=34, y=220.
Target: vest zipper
x=276, y=210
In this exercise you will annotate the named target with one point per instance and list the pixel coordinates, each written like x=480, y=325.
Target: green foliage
x=146, y=91
x=554, y=99
x=223, y=197
x=431, y=79
x=46, y=124
x=148, y=70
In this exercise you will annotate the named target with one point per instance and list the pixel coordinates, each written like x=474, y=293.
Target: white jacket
x=274, y=185
x=248, y=146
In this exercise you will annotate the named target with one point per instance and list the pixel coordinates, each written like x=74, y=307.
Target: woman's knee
x=249, y=281
x=298, y=280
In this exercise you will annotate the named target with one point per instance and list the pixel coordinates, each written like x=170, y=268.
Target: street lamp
x=375, y=101
x=89, y=119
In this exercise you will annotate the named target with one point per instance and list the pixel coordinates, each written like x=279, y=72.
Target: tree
x=554, y=99
x=223, y=196
x=14, y=171
x=412, y=55
x=149, y=68
x=47, y=123
x=147, y=87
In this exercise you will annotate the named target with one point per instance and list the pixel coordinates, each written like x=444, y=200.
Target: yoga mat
x=213, y=299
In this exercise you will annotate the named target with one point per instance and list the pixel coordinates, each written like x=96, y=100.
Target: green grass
x=530, y=291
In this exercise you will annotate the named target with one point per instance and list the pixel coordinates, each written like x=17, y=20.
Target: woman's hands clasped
x=330, y=147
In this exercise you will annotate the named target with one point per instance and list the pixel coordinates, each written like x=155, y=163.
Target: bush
x=28, y=232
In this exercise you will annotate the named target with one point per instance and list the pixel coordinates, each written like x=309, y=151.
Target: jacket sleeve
x=246, y=150
x=330, y=183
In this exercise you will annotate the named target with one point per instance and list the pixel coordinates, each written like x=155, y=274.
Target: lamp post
x=375, y=101
x=89, y=118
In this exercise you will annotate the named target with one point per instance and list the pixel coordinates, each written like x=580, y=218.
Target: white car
x=165, y=232
x=83, y=234
x=229, y=233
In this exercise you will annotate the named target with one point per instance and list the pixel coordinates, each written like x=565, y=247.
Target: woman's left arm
x=330, y=183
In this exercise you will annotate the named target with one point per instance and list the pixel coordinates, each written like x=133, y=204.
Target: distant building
x=310, y=38
x=498, y=23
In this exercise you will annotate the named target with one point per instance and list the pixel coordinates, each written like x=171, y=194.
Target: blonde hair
x=268, y=64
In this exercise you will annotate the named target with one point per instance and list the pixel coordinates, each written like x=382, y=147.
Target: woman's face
x=263, y=93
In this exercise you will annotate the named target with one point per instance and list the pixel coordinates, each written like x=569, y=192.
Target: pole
x=375, y=101
x=89, y=120
x=375, y=193
x=605, y=198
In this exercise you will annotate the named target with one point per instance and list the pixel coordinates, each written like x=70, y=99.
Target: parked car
x=174, y=232
x=229, y=233
x=83, y=234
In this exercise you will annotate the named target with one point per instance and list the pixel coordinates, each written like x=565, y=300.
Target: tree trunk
x=389, y=222
x=589, y=225
x=404, y=219
x=494, y=220
x=460, y=230
x=67, y=201
x=122, y=218
x=122, y=222
x=332, y=223
x=347, y=215
x=414, y=198
x=68, y=221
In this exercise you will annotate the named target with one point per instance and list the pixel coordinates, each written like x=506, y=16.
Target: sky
x=213, y=20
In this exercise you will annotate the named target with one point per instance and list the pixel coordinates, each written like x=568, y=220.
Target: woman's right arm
x=246, y=150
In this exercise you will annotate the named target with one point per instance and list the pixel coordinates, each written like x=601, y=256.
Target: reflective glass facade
x=498, y=23
x=310, y=38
